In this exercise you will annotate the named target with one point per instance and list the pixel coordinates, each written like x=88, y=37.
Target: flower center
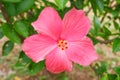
x=62, y=44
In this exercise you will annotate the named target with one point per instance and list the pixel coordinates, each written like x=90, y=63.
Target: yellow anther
x=62, y=44
x=59, y=45
x=66, y=47
x=65, y=43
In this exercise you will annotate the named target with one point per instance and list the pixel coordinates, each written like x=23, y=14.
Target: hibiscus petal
x=57, y=61
x=75, y=25
x=49, y=23
x=81, y=52
x=38, y=46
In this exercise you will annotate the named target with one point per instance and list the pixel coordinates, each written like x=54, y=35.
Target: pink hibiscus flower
x=60, y=42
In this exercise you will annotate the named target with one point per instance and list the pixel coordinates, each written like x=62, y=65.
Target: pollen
x=62, y=44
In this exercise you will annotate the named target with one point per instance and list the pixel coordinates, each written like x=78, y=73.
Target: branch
x=115, y=34
x=1, y=22
x=105, y=42
x=5, y=13
x=111, y=6
x=89, y=9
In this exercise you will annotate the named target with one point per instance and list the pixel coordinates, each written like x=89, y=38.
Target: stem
x=5, y=13
x=89, y=8
x=103, y=17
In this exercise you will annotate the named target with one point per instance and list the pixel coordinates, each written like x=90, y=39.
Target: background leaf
x=61, y=3
x=34, y=68
x=118, y=1
x=24, y=5
x=94, y=6
x=116, y=45
x=10, y=9
x=100, y=5
x=7, y=47
x=105, y=77
x=1, y=33
x=112, y=76
x=101, y=68
x=79, y=4
x=116, y=25
x=23, y=58
x=96, y=24
x=10, y=33
x=12, y=1
x=117, y=69
x=22, y=28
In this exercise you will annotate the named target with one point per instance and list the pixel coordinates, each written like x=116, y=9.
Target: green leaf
x=100, y=5
x=79, y=66
x=115, y=13
x=63, y=76
x=48, y=3
x=112, y=76
x=79, y=4
x=94, y=40
x=35, y=68
x=118, y=77
x=117, y=69
x=107, y=2
x=97, y=5
x=10, y=33
x=10, y=9
x=94, y=6
x=104, y=77
x=10, y=77
x=44, y=77
x=96, y=24
x=116, y=25
x=101, y=69
x=116, y=45
x=108, y=9
x=19, y=65
x=23, y=58
x=7, y=47
x=1, y=33
x=12, y=1
x=93, y=31
x=62, y=13
x=24, y=5
x=22, y=28
x=61, y=3
x=106, y=31
x=118, y=1
x=103, y=35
